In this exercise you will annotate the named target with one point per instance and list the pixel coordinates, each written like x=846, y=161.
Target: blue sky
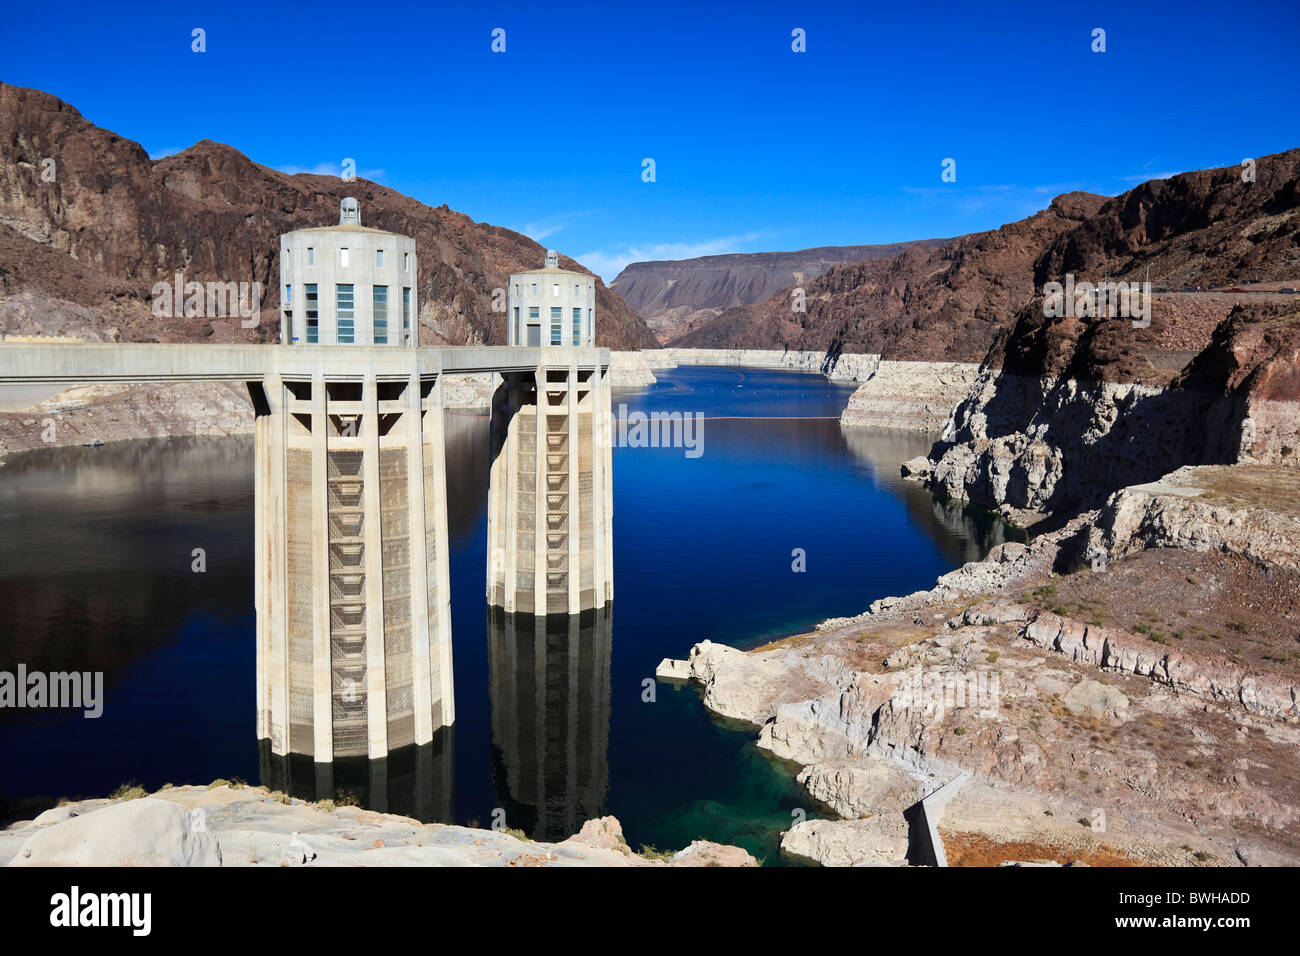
x=755, y=147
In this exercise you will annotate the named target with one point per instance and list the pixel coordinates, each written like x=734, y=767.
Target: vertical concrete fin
x=440, y=574
x=376, y=685
x=321, y=666
x=423, y=635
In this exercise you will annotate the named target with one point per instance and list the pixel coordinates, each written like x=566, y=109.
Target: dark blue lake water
x=95, y=574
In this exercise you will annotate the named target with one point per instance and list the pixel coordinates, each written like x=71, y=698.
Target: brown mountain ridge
x=81, y=254
x=968, y=299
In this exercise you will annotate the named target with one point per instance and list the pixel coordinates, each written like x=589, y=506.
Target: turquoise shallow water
x=553, y=726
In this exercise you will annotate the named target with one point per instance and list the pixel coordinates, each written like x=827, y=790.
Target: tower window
x=311, y=256
x=344, y=308
x=379, y=258
x=310, y=302
x=287, y=322
x=406, y=262
x=343, y=258
x=406, y=307
x=577, y=326
x=380, y=303
x=557, y=323
x=555, y=291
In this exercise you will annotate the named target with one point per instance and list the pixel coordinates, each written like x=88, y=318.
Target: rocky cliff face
x=910, y=395
x=1084, y=426
x=1203, y=228
x=113, y=222
x=677, y=295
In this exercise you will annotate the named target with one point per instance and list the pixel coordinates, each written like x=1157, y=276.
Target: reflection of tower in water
x=412, y=782
x=550, y=718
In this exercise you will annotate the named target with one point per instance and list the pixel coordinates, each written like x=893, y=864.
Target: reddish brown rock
x=113, y=222
x=1199, y=230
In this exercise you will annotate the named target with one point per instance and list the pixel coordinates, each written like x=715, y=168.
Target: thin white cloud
x=609, y=263
x=549, y=226
x=332, y=169
x=1144, y=177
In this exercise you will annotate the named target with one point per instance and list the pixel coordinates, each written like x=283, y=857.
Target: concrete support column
x=262, y=563
x=495, y=551
x=573, y=488
x=540, y=504
x=602, y=436
x=270, y=594
x=321, y=667
x=376, y=688
x=422, y=634
x=440, y=576
x=508, y=490
x=604, y=490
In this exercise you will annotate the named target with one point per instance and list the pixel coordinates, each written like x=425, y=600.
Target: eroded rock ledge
x=910, y=395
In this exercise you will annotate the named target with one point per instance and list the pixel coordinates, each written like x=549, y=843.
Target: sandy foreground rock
x=250, y=826
x=145, y=832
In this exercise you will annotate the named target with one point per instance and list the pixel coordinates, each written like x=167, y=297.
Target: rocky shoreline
x=1097, y=724
x=232, y=824
x=1123, y=690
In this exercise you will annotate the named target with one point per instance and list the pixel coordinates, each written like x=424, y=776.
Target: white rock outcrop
x=910, y=395
x=880, y=840
x=249, y=826
x=144, y=832
x=848, y=367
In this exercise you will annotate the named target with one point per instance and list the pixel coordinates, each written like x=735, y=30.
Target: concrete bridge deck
x=78, y=363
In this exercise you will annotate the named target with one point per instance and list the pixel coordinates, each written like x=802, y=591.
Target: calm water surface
x=95, y=574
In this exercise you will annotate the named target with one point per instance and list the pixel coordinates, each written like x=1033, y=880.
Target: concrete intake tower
x=353, y=609
x=550, y=496
x=353, y=634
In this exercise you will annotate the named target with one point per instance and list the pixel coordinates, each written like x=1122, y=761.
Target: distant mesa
x=676, y=295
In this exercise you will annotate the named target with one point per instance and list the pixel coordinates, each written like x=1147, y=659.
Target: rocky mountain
x=941, y=303
x=86, y=248
x=1206, y=228
x=676, y=295
x=1200, y=229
